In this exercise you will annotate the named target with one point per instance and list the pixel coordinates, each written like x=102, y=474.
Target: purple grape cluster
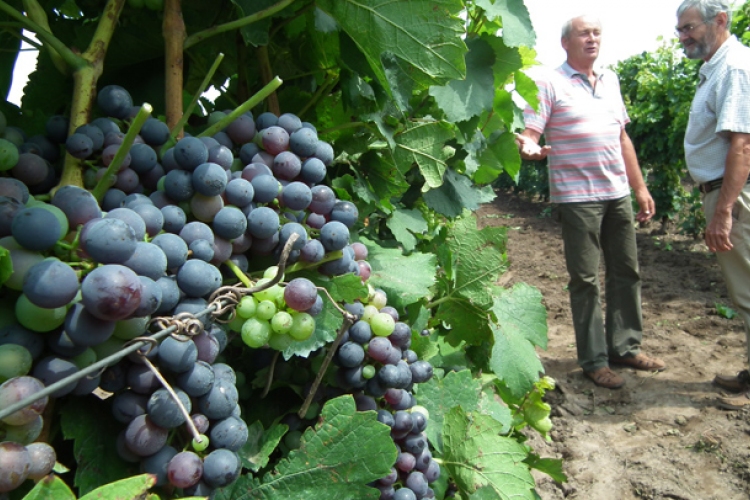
x=376, y=365
x=156, y=433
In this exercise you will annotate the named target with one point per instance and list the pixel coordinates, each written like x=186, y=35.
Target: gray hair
x=568, y=26
x=708, y=9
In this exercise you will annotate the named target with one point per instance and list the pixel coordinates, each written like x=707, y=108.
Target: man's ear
x=721, y=20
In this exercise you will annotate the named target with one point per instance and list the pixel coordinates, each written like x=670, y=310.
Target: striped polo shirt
x=583, y=127
x=721, y=104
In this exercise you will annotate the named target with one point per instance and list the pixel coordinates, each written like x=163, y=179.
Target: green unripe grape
x=215, y=117
x=8, y=155
x=280, y=341
x=202, y=445
x=379, y=300
x=282, y=322
x=544, y=425
x=368, y=371
x=271, y=272
x=128, y=329
x=108, y=347
x=303, y=326
x=15, y=361
x=86, y=358
x=256, y=333
x=271, y=293
x=236, y=324
x=293, y=439
x=23, y=434
x=15, y=136
x=370, y=312
x=38, y=319
x=382, y=324
x=266, y=309
x=21, y=260
x=246, y=307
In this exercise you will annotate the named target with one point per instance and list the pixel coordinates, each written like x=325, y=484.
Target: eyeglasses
x=688, y=28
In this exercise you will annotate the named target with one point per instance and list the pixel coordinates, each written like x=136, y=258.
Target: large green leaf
x=424, y=144
x=337, y=459
x=517, y=28
x=456, y=194
x=479, y=458
x=473, y=95
x=467, y=322
x=405, y=279
x=424, y=34
x=439, y=396
x=521, y=326
x=480, y=257
x=404, y=224
x=501, y=155
x=92, y=430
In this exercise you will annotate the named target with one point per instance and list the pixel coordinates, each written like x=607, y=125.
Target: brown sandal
x=640, y=362
x=605, y=377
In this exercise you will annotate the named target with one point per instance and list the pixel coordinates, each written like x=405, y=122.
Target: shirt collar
x=719, y=57
x=568, y=71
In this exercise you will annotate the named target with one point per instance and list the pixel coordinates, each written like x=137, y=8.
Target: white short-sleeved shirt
x=721, y=105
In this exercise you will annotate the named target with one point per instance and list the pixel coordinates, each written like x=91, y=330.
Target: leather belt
x=709, y=186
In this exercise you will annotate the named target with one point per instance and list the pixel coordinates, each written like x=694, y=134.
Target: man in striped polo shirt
x=592, y=167
x=717, y=153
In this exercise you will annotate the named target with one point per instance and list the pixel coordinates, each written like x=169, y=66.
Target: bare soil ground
x=662, y=436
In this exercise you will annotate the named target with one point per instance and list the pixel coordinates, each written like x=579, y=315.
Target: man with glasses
x=592, y=167
x=717, y=153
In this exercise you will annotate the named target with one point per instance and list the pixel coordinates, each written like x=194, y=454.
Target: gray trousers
x=591, y=229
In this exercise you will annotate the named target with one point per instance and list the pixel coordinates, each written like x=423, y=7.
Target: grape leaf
x=473, y=95
x=553, y=467
x=440, y=395
x=456, y=194
x=336, y=459
x=478, y=458
x=480, y=259
x=50, y=487
x=517, y=28
x=527, y=88
x=345, y=288
x=521, y=325
x=405, y=279
x=260, y=444
x=424, y=144
x=124, y=489
x=501, y=155
x=424, y=34
x=490, y=405
x=468, y=323
x=93, y=431
x=404, y=224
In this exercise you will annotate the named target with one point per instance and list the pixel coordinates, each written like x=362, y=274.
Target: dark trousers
x=591, y=229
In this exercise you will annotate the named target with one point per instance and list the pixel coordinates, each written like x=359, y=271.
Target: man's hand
x=530, y=149
x=717, y=232
x=646, y=204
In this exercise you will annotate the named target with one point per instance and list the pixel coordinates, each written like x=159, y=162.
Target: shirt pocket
x=701, y=125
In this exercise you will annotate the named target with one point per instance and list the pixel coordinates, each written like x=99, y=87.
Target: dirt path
x=662, y=436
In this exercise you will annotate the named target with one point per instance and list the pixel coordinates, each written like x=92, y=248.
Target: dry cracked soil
x=662, y=436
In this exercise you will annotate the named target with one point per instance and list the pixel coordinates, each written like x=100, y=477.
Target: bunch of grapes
x=88, y=276
x=196, y=456
x=377, y=366
x=277, y=316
